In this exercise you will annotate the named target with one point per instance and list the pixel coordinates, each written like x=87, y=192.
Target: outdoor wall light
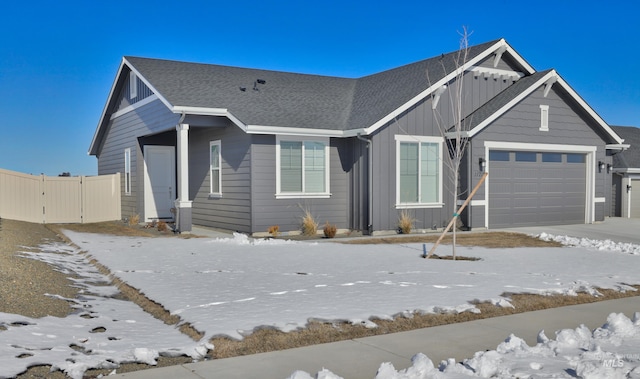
x=483, y=163
x=600, y=166
x=628, y=188
x=609, y=167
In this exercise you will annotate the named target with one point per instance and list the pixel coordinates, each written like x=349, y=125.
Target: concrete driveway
x=613, y=228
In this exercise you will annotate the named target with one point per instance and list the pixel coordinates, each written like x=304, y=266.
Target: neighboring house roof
x=629, y=159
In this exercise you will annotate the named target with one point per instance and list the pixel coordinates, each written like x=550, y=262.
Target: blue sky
x=58, y=59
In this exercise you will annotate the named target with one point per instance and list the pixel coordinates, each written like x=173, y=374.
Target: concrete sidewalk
x=361, y=358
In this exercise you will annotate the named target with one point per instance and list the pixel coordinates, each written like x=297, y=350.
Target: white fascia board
x=141, y=103
x=106, y=106
x=383, y=121
x=619, y=146
x=148, y=84
x=627, y=170
x=530, y=70
x=203, y=111
x=589, y=110
x=510, y=104
x=289, y=131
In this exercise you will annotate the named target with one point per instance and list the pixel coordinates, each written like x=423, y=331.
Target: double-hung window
x=302, y=166
x=418, y=171
x=127, y=171
x=215, y=171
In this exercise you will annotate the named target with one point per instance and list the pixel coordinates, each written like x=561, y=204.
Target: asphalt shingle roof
x=295, y=100
x=629, y=158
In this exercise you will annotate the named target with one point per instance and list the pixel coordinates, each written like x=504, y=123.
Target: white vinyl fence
x=51, y=199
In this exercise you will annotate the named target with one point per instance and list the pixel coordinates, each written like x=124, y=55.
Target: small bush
x=162, y=226
x=134, y=220
x=329, y=230
x=405, y=222
x=309, y=224
x=274, y=230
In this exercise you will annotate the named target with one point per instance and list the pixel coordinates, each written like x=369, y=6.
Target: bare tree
x=454, y=131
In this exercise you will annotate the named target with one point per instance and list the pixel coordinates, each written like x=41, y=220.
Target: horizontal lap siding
x=287, y=213
x=232, y=211
x=122, y=133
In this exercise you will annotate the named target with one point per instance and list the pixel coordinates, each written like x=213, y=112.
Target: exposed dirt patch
x=480, y=239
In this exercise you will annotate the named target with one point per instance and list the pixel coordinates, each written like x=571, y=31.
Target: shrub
x=405, y=222
x=329, y=230
x=274, y=230
x=309, y=224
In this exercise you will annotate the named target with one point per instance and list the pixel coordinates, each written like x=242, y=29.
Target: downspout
x=369, y=182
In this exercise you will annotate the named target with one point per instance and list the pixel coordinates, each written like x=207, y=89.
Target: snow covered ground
x=233, y=286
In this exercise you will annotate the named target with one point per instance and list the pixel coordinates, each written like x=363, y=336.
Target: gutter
x=369, y=182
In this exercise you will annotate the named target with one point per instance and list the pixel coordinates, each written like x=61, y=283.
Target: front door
x=160, y=182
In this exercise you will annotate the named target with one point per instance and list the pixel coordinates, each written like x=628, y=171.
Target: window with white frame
x=302, y=167
x=133, y=85
x=544, y=118
x=127, y=171
x=418, y=171
x=215, y=172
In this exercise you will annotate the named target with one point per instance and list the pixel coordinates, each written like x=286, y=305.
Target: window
x=215, y=177
x=552, y=157
x=127, y=171
x=302, y=167
x=133, y=85
x=418, y=171
x=525, y=156
x=498, y=156
x=575, y=158
x=544, y=118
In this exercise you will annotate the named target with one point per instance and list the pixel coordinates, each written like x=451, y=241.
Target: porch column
x=183, y=205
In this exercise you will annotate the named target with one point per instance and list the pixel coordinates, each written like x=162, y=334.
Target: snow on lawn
x=233, y=286
x=573, y=353
x=102, y=333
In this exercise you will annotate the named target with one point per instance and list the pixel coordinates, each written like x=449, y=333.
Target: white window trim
x=544, y=118
x=215, y=195
x=419, y=139
x=133, y=85
x=302, y=195
x=127, y=170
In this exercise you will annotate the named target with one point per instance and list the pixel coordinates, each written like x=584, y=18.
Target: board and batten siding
x=421, y=120
x=123, y=132
x=521, y=124
x=287, y=213
x=231, y=211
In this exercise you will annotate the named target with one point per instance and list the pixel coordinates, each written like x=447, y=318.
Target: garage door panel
x=536, y=193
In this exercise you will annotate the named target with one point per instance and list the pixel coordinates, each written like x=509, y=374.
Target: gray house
x=626, y=175
x=244, y=149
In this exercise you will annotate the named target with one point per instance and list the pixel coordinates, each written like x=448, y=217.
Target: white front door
x=159, y=182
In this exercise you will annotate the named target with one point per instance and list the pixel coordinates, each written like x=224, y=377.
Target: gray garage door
x=536, y=188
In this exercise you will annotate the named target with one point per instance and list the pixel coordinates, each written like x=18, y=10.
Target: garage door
x=536, y=188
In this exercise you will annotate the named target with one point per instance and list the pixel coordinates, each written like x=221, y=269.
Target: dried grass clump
x=405, y=222
x=309, y=224
x=162, y=226
x=134, y=220
x=329, y=230
x=274, y=230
